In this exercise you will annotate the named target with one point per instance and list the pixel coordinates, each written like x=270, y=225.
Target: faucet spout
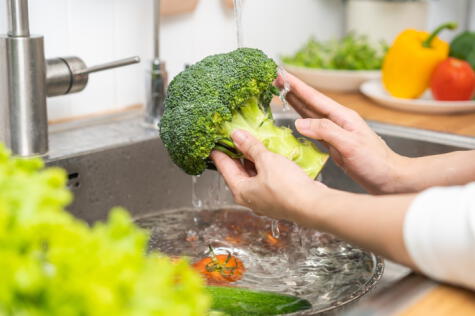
x=158, y=76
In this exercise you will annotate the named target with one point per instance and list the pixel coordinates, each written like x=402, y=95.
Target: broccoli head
x=212, y=98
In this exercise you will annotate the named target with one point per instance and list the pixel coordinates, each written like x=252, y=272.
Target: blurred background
x=104, y=30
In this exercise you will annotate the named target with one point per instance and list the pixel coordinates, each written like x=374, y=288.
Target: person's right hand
x=352, y=144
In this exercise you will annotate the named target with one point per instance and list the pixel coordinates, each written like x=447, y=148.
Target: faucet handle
x=65, y=75
x=110, y=65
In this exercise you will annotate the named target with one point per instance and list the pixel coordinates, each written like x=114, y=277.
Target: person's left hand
x=267, y=183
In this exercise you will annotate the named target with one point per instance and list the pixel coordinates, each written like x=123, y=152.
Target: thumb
x=252, y=148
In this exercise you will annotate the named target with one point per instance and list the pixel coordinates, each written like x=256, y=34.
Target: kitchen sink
x=119, y=161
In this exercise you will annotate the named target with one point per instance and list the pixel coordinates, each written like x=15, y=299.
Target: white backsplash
x=104, y=30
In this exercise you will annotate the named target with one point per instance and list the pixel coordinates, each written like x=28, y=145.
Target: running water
x=195, y=200
x=283, y=93
x=238, y=19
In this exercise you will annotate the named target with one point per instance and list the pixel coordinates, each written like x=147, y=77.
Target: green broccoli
x=222, y=93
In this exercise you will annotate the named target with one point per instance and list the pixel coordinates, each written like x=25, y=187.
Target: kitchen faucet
x=27, y=79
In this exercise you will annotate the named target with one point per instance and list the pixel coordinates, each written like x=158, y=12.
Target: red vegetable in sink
x=453, y=80
x=220, y=269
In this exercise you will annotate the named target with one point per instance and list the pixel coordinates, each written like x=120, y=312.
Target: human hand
x=267, y=183
x=352, y=144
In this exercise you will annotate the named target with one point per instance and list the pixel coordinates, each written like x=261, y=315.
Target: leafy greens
x=54, y=264
x=352, y=52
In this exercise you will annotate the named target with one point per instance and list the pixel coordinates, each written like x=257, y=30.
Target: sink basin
x=117, y=161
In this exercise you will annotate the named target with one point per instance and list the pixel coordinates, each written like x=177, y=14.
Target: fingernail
x=302, y=124
x=239, y=136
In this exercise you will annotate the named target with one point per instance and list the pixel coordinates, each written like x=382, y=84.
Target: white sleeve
x=439, y=234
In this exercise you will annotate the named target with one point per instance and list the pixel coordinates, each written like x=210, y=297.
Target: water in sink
x=312, y=265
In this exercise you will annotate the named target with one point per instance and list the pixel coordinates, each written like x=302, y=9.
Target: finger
x=279, y=82
x=300, y=107
x=325, y=144
x=249, y=145
x=326, y=130
x=319, y=102
x=232, y=170
x=250, y=168
x=336, y=156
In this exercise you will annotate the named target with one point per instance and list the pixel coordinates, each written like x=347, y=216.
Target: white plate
x=333, y=80
x=426, y=104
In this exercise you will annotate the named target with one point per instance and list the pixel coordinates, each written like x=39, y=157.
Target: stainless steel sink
x=118, y=161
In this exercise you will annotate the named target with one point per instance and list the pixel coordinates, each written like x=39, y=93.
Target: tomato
x=453, y=80
x=220, y=269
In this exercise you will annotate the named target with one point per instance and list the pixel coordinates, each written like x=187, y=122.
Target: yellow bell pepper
x=410, y=61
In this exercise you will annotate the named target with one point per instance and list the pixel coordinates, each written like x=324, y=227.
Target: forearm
x=372, y=222
x=417, y=174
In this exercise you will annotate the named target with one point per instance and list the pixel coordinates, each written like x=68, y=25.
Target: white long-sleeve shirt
x=439, y=234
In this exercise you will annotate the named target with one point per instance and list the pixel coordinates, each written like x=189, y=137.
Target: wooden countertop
x=461, y=124
x=443, y=301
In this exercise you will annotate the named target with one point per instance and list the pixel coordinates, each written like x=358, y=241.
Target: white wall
x=471, y=15
x=103, y=30
x=449, y=10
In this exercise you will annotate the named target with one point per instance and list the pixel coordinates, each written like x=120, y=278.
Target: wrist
x=319, y=199
x=400, y=175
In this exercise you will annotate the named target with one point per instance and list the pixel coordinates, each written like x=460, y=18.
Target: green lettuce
x=54, y=264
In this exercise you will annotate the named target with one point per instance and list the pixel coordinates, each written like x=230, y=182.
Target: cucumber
x=238, y=301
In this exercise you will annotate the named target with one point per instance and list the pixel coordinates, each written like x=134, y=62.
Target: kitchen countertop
x=441, y=300
x=461, y=124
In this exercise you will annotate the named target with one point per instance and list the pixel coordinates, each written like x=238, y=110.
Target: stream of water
x=238, y=20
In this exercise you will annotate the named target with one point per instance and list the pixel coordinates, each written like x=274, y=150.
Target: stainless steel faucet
x=157, y=89
x=27, y=79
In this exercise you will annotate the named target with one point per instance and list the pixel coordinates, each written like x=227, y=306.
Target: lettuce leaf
x=54, y=264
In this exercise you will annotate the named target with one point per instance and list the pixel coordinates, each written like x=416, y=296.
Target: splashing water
x=283, y=93
x=214, y=197
x=208, y=191
x=238, y=19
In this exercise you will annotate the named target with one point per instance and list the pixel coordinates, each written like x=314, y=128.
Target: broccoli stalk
x=212, y=98
x=257, y=121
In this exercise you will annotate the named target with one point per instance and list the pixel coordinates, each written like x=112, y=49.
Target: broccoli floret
x=212, y=98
